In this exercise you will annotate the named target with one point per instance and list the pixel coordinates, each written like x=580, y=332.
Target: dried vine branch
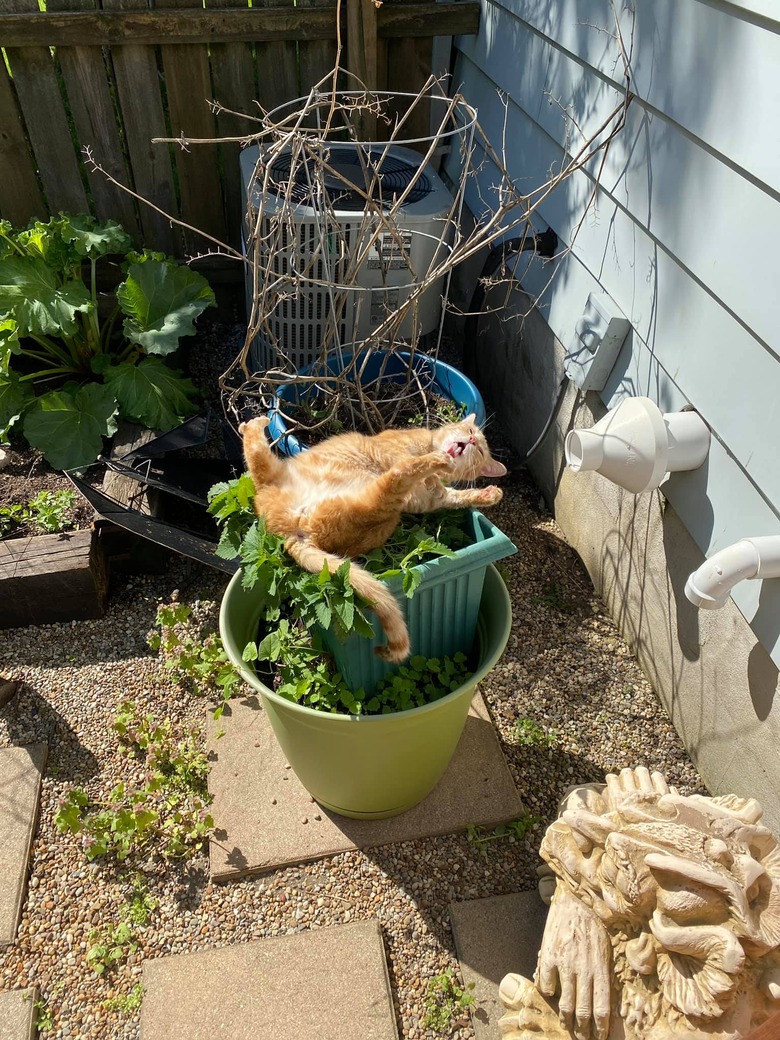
x=306, y=249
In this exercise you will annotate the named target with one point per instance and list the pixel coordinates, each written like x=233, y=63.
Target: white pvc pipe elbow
x=710, y=585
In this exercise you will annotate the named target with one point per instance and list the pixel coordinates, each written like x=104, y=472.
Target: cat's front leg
x=264, y=467
x=429, y=499
x=431, y=469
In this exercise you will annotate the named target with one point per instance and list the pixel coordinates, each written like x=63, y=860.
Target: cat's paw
x=490, y=495
x=439, y=463
x=256, y=425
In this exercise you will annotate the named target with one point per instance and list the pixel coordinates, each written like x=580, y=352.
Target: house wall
x=681, y=237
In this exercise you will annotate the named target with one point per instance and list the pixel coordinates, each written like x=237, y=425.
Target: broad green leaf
x=324, y=613
x=411, y=581
x=250, y=652
x=15, y=398
x=32, y=295
x=152, y=393
x=45, y=242
x=6, y=238
x=270, y=648
x=162, y=301
x=9, y=341
x=68, y=426
x=345, y=611
x=362, y=626
x=89, y=237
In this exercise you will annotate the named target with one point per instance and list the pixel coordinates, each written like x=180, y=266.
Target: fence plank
x=363, y=57
x=35, y=81
x=89, y=97
x=277, y=70
x=408, y=68
x=316, y=58
x=233, y=77
x=188, y=84
x=20, y=196
x=143, y=117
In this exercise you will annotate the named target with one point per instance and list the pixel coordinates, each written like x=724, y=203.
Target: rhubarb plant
x=73, y=360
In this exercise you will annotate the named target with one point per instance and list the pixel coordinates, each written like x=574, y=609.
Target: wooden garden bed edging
x=51, y=577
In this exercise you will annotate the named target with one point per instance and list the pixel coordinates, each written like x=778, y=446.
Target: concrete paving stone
x=493, y=937
x=264, y=818
x=18, y=1014
x=21, y=769
x=338, y=975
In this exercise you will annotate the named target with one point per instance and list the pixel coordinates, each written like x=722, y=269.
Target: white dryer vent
x=342, y=235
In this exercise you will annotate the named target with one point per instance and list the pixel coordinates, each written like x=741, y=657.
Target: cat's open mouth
x=457, y=448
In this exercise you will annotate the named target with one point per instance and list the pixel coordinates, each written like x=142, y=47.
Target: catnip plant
x=296, y=604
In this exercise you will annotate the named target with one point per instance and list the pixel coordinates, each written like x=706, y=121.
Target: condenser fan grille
x=382, y=176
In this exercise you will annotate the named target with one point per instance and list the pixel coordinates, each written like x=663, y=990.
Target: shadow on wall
x=646, y=174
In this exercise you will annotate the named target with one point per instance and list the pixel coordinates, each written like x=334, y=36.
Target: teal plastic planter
x=442, y=614
x=369, y=767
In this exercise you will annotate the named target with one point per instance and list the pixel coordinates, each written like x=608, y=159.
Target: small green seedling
x=514, y=829
x=554, y=598
x=446, y=1001
x=110, y=946
x=126, y=1003
x=194, y=653
x=47, y=513
x=167, y=814
x=528, y=731
x=44, y=1016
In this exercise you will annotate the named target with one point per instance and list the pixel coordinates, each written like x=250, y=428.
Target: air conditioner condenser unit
x=332, y=265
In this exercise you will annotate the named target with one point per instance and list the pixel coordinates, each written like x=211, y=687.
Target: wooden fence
x=113, y=77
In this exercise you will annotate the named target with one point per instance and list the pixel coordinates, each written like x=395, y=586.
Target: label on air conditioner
x=383, y=304
x=391, y=251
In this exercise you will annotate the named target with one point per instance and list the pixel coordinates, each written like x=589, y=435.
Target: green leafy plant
x=514, y=829
x=295, y=603
x=126, y=1003
x=110, y=945
x=71, y=361
x=445, y=411
x=446, y=1001
x=529, y=732
x=166, y=812
x=44, y=1015
x=414, y=542
x=192, y=651
x=47, y=512
x=554, y=598
x=140, y=906
x=422, y=681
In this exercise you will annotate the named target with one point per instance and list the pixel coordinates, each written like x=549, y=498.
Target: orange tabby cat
x=345, y=497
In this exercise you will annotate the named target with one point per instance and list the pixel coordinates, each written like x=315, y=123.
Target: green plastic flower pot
x=368, y=767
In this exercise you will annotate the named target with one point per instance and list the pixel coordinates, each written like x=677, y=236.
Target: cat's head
x=466, y=444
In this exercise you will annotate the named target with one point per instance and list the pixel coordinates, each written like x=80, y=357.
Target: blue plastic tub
x=442, y=614
x=445, y=380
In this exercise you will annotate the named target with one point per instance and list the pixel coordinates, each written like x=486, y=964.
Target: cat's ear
x=493, y=468
x=472, y=418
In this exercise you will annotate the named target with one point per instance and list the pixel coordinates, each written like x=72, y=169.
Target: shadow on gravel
x=543, y=775
x=31, y=719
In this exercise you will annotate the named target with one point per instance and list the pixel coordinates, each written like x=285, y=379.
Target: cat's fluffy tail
x=378, y=595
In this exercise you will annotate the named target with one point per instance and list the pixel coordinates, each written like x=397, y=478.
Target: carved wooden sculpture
x=664, y=923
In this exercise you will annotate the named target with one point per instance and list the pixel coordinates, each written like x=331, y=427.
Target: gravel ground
x=568, y=700
x=565, y=668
